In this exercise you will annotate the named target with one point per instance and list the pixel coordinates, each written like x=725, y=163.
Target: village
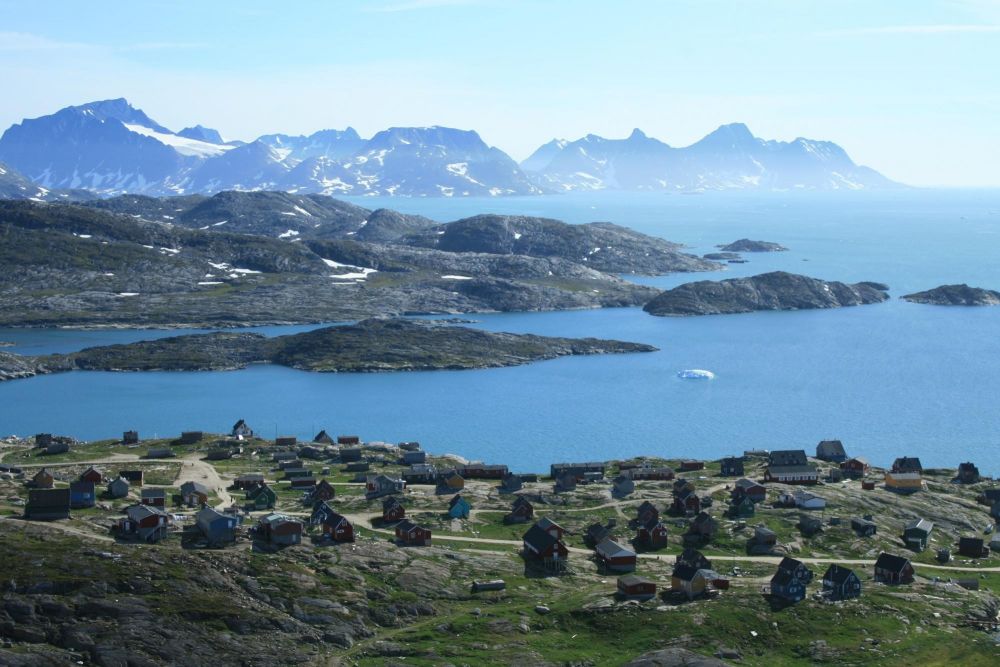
x=783, y=526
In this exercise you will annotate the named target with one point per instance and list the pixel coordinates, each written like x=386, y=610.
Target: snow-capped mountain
x=333, y=144
x=731, y=157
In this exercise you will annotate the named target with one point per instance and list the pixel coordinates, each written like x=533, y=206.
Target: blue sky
x=911, y=88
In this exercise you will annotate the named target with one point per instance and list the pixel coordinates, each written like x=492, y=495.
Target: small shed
x=632, y=587
x=973, y=547
x=279, y=529
x=130, y=438
x=917, y=533
x=412, y=534
x=118, y=488
x=92, y=474
x=154, y=496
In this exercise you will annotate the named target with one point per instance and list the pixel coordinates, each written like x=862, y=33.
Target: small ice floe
x=127, y=294
x=454, y=277
x=696, y=374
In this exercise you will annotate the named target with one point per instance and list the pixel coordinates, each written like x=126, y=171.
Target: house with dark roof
x=622, y=486
x=855, y=467
x=449, y=482
x=647, y=511
x=152, y=495
x=279, y=529
x=118, y=488
x=750, y=489
x=694, y=558
x=704, y=526
x=689, y=580
x=92, y=474
x=521, y=511
x=43, y=479
x=82, y=494
x=420, y=473
x=743, y=508
x=350, y=454
x=322, y=491
x=863, y=527
x=731, y=466
x=551, y=527
x=194, y=494
x=686, y=504
x=790, y=466
x=348, y=440
x=614, y=556
x=216, y=527
x=790, y=581
x=652, y=534
x=917, y=533
x=892, y=569
x=323, y=438
x=631, y=587
x=809, y=526
x=511, y=483
x=597, y=533
x=841, y=583
x=336, y=527
x=545, y=545
x=973, y=547
x=412, y=534
x=412, y=457
x=763, y=540
x=577, y=470
x=458, y=507
x=145, y=522
x=968, y=473
x=907, y=464
x=134, y=477
x=383, y=485
x=261, y=497
x=241, y=430
x=47, y=504
x=392, y=510
x=248, y=480
x=130, y=438
x=831, y=451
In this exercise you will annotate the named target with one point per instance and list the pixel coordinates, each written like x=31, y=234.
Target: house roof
x=646, y=505
x=922, y=525
x=783, y=577
x=694, y=557
x=41, y=498
x=153, y=492
x=907, y=462
x=685, y=571
x=118, y=481
x=838, y=574
x=633, y=580
x=140, y=512
x=831, y=447
x=190, y=487
x=545, y=523
x=256, y=491
x=789, y=563
x=598, y=531
x=389, y=502
x=788, y=457
x=538, y=538
x=210, y=515
x=971, y=542
x=891, y=562
x=652, y=524
x=608, y=548
x=81, y=486
x=745, y=483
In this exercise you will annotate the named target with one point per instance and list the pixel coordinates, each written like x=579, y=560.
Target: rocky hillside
x=955, y=295
x=369, y=346
x=769, y=291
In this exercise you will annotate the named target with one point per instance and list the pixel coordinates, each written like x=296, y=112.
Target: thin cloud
x=940, y=29
x=416, y=5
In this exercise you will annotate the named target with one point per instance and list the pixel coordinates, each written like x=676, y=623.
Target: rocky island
x=777, y=290
x=370, y=346
x=955, y=295
x=746, y=245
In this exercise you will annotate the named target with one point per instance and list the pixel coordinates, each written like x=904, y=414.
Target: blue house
x=82, y=494
x=789, y=582
x=218, y=528
x=458, y=507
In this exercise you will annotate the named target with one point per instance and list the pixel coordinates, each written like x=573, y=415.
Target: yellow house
x=904, y=482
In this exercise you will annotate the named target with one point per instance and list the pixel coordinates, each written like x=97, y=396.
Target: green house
x=742, y=508
x=262, y=497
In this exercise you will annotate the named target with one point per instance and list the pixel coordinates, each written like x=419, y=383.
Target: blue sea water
x=887, y=379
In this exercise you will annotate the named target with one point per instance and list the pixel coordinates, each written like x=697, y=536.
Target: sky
x=910, y=88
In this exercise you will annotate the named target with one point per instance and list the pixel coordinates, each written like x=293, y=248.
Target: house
x=615, y=557
x=160, y=453
x=418, y=456
x=840, y=583
x=652, y=534
x=482, y=471
x=917, y=533
x=92, y=474
x=319, y=513
x=322, y=491
x=409, y=446
x=411, y=534
x=323, y=438
x=286, y=441
x=831, y=451
x=279, y=529
x=597, y=533
x=130, y=438
x=153, y=496
x=565, y=483
x=336, y=527
x=694, y=558
x=350, y=454
x=146, y=522
x=891, y=569
x=790, y=466
x=543, y=545
x=43, y=479
x=350, y=440
x=511, y=483
x=631, y=587
x=750, y=489
x=261, y=497
x=743, y=508
x=647, y=511
x=57, y=448
x=731, y=466
x=303, y=483
x=863, y=527
x=622, y=486
x=458, y=507
x=286, y=456
x=855, y=467
x=688, y=580
x=577, y=470
x=194, y=494
x=43, y=439
x=907, y=464
x=241, y=430
x=808, y=501
x=296, y=471
x=810, y=526
x=358, y=466
x=521, y=511
x=790, y=581
x=682, y=487
x=219, y=454
x=691, y=465
x=134, y=477
x=973, y=547
x=190, y=437
x=382, y=485
x=903, y=482
x=763, y=540
x=703, y=526
x=216, y=527
x=47, y=504
x=551, y=527
x=392, y=510
x=450, y=481
x=248, y=480
x=687, y=504
x=648, y=472
x=968, y=473
x=118, y=488
x=420, y=473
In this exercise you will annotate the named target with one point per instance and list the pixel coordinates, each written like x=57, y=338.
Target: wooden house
x=392, y=510
x=190, y=437
x=286, y=441
x=973, y=547
x=652, y=534
x=336, y=527
x=410, y=458
x=904, y=482
x=412, y=534
x=565, y=483
x=750, y=489
x=622, y=486
x=43, y=479
x=248, y=480
x=279, y=529
x=631, y=587
x=694, y=558
x=687, y=504
x=323, y=438
x=731, y=466
x=92, y=474
x=840, y=583
x=521, y=511
x=596, y=533
x=482, y=470
x=648, y=472
x=350, y=454
x=43, y=439
x=216, y=527
x=458, y=507
x=241, y=430
x=134, y=477
x=793, y=570
x=891, y=569
x=790, y=466
x=420, y=473
x=160, y=453
x=551, y=527
x=382, y=485
x=348, y=441
x=194, y=494
x=118, y=488
x=614, y=557
x=809, y=526
x=145, y=522
x=907, y=464
x=58, y=447
x=786, y=587
x=968, y=473
x=863, y=527
x=854, y=468
x=511, y=483
x=742, y=508
x=130, y=438
x=157, y=497
x=691, y=465
x=917, y=533
x=542, y=545
x=704, y=526
x=47, y=504
x=763, y=540
x=303, y=483
x=831, y=451
x=577, y=470
x=261, y=497
x=319, y=512
x=688, y=580
x=322, y=491
x=647, y=511
x=291, y=472
x=82, y=494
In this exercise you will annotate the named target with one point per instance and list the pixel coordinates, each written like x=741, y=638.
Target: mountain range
x=110, y=147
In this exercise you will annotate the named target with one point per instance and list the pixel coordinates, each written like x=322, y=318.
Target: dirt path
x=194, y=469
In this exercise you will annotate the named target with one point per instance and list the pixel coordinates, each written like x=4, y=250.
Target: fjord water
x=888, y=379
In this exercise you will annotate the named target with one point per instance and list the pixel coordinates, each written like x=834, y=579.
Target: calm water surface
x=888, y=379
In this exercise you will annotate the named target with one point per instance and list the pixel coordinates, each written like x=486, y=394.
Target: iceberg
x=696, y=374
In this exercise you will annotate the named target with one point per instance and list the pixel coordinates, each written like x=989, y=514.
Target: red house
x=855, y=468
x=890, y=569
x=91, y=474
x=323, y=491
x=392, y=510
x=541, y=544
x=652, y=535
x=631, y=587
x=337, y=528
x=687, y=504
x=692, y=465
x=411, y=534
x=647, y=511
